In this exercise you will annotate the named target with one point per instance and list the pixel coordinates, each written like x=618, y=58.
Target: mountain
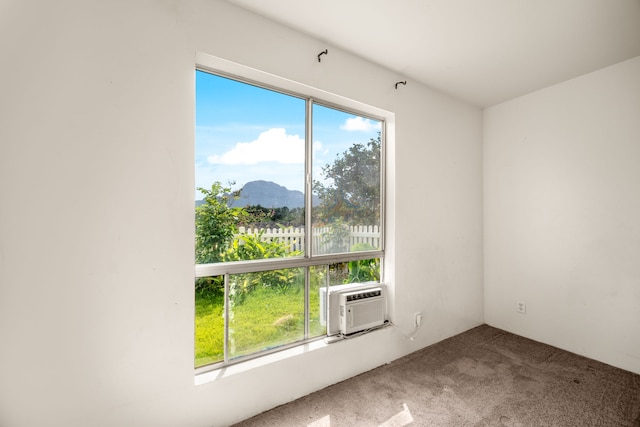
x=269, y=195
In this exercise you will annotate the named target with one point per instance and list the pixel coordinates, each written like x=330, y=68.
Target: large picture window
x=288, y=199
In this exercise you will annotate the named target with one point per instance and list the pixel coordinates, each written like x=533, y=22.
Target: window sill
x=227, y=371
x=248, y=365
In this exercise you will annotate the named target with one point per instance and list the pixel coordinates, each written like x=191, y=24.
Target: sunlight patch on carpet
x=400, y=419
x=322, y=422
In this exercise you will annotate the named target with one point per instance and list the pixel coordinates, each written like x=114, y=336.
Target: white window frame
x=224, y=68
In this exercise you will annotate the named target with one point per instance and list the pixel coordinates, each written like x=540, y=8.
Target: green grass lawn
x=209, y=336
x=265, y=319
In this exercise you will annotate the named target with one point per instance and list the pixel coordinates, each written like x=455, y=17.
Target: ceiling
x=481, y=51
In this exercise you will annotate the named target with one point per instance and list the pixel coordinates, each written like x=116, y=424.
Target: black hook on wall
x=404, y=83
x=324, y=52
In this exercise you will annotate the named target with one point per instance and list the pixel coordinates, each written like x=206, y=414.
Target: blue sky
x=245, y=133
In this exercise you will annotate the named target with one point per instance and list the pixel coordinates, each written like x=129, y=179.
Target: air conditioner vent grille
x=364, y=295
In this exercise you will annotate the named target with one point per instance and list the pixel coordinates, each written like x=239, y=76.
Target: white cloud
x=273, y=145
x=360, y=124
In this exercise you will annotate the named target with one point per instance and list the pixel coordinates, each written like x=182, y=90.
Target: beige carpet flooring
x=482, y=377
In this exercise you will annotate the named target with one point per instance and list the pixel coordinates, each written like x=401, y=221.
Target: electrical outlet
x=418, y=320
x=521, y=307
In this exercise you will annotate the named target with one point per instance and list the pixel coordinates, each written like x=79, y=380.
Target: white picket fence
x=325, y=239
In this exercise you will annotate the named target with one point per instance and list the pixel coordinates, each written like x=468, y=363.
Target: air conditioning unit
x=352, y=307
x=361, y=310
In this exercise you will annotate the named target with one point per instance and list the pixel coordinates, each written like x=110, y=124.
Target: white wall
x=562, y=215
x=96, y=213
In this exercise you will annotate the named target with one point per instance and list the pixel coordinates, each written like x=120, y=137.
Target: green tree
x=259, y=216
x=256, y=215
x=353, y=195
x=216, y=223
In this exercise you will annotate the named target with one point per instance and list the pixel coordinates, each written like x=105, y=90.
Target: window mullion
x=307, y=303
x=308, y=193
x=383, y=195
x=226, y=319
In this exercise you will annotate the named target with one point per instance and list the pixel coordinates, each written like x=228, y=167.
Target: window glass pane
x=346, y=182
x=209, y=321
x=250, y=169
x=266, y=310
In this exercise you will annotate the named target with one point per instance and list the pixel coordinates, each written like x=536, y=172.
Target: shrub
x=252, y=247
x=365, y=270
x=213, y=286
